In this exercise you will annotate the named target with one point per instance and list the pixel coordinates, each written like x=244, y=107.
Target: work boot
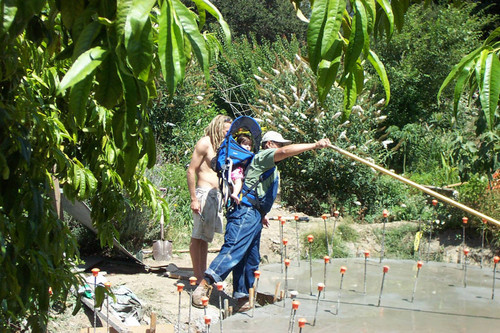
x=203, y=289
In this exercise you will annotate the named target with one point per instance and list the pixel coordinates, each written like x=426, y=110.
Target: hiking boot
x=243, y=304
x=203, y=289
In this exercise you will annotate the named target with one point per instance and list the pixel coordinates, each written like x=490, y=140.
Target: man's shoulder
x=204, y=143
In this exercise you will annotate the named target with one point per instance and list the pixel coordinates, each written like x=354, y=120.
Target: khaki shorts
x=211, y=223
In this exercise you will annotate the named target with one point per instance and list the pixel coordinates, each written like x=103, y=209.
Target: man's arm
x=200, y=150
x=295, y=149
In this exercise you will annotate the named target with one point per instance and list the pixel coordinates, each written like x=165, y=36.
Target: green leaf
x=459, y=86
x=322, y=32
x=382, y=74
x=171, y=47
x=370, y=13
x=86, y=38
x=389, y=16
x=109, y=90
x=490, y=88
x=399, y=8
x=457, y=69
x=358, y=40
x=82, y=67
x=195, y=38
x=78, y=99
x=70, y=11
x=492, y=36
x=206, y=6
x=350, y=95
x=327, y=71
x=138, y=39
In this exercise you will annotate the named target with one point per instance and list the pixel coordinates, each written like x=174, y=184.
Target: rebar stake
x=434, y=203
x=180, y=288
x=220, y=288
x=324, y=217
x=107, y=285
x=386, y=269
x=95, y=272
x=296, y=217
x=466, y=256
x=295, y=306
x=321, y=286
x=342, y=272
x=419, y=266
x=287, y=263
x=256, y=275
x=327, y=260
x=310, y=239
x=208, y=320
x=464, y=224
x=336, y=217
x=367, y=254
x=496, y=259
x=282, y=222
x=385, y=213
x=293, y=295
x=482, y=242
x=302, y=323
x=204, y=302
x=192, y=283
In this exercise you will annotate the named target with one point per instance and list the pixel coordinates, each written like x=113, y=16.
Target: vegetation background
x=110, y=101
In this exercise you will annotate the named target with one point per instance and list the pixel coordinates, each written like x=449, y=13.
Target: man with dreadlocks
x=203, y=186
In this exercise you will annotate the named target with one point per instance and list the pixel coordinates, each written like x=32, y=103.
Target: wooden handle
x=418, y=186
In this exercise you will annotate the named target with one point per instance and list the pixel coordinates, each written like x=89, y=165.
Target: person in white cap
x=240, y=252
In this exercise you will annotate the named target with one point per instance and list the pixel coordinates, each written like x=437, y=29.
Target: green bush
x=399, y=241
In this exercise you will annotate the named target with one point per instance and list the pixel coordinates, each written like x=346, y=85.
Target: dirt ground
x=159, y=294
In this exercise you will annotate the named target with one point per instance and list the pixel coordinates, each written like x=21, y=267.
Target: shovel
x=162, y=249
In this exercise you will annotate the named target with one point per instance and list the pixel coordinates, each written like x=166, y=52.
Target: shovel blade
x=162, y=250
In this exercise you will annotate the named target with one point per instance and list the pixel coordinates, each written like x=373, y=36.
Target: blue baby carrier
x=231, y=155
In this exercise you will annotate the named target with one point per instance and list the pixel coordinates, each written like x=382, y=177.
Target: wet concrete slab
x=441, y=303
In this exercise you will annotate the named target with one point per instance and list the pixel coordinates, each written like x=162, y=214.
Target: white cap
x=276, y=137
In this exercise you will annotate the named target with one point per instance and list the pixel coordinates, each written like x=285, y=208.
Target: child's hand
x=235, y=198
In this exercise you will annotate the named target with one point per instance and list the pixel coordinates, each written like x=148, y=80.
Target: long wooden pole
x=418, y=186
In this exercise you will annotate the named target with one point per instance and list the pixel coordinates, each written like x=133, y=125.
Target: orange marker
x=192, y=280
x=367, y=254
x=385, y=270
x=419, y=266
x=343, y=269
x=321, y=286
x=302, y=324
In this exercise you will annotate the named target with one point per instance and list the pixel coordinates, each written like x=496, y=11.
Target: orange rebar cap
x=296, y=217
x=343, y=269
x=419, y=264
x=208, y=320
x=287, y=262
x=385, y=213
x=180, y=287
x=386, y=269
x=466, y=252
x=256, y=274
x=204, y=301
x=220, y=286
x=285, y=241
x=295, y=305
x=327, y=259
x=324, y=216
x=192, y=280
x=434, y=202
x=465, y=219
x=95, y=271
x=367, y=254
x=310, y=238
x=321, y=286
x=302, y=322
x=496, y=259
x=107, y=285
x=336, y=213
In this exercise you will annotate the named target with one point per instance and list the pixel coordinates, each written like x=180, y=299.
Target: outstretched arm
x=295, y=149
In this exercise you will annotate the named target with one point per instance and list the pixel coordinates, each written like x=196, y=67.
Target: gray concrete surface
x=441, y=303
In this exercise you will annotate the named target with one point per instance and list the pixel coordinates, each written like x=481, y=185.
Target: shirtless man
x=205, y=196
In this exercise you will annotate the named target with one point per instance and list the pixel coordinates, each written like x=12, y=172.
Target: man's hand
x=265, y=222
x=195, y=206
x=323, y=143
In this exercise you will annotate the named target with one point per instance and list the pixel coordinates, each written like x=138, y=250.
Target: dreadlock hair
x=214, y=130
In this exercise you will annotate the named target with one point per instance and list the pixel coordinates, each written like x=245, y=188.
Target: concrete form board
x=441, y=303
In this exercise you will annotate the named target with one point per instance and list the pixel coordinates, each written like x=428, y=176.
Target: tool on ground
x=220, y=288
x=343, y=269
x=367, y=254
x=192, y=283
x=412, y=183
x=419, y=266
x=296, y=218
x=295, y=307
x=180, y=288
x=385, y=213
x=327, y=260
x=321, y=286
x=336, y=217
x=464, y=224
x=95, y=272
x=208, y=320
x=302, y=324
x=256, y=275
x=482, y=242
x=107, y=285
x=310, y=239
x=496, y=259
x=162, y=249
x=287, y=264
x=204, y=302
x=385, y=270
x=281, y=244
x=466, y=256
x=324, y=217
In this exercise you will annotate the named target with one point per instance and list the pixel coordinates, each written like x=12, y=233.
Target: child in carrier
x=238, y=173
